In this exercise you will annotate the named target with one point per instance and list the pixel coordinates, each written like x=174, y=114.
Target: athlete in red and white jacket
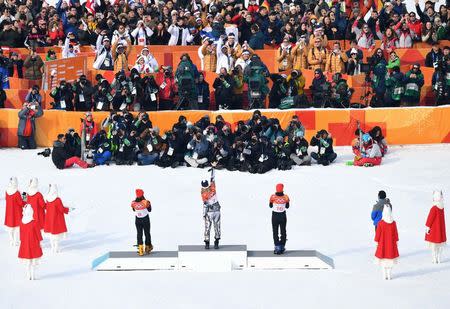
x=142, y=208
x=279, y=202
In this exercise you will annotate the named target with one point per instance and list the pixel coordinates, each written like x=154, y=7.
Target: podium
x=295, y=259
x=227, y=258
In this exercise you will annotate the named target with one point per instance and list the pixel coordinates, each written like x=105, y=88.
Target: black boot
x=216, y=243
x=206, y=244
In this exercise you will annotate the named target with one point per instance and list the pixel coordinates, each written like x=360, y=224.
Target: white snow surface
x=330, y=212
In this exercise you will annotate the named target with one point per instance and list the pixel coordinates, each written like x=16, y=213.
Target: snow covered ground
x=330, y=212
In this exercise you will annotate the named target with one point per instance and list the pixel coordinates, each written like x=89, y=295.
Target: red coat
x=387, y=237
x=436, y=223
x=37, y=202
x=30, y=241
x=54, y=218
x=13, y=213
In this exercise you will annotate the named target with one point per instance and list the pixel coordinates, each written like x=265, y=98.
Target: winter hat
x=353, y=51
x=27, y=214
x=438, y=199
x=299, y=133
x=387, y=214
x=205, y=184
x=279, y=187
x=366, y=138
x=12, y=186
x=139, y=193
x=33, y=186
x=381, y=194
x=52, y=193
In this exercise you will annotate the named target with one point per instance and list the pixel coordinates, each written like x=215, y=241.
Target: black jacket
x=59, y=155
x=322, y=149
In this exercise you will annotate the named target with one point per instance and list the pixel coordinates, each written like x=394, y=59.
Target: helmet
x=205, y=184
x=366, y=138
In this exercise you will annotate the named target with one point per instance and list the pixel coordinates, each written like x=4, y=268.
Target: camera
x=221, y=76
x=46, y=152
x=235, y=71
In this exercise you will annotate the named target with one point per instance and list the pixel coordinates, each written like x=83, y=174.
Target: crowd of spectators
x=228, y=34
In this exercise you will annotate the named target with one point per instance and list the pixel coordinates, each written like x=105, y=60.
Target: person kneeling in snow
x=370, y=154
x=60, y=157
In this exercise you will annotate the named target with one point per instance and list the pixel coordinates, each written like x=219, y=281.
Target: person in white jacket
x=103, y=57
x=150, y=60
x=178, y=33
x=71, y=47
x=141, y=66
x=141, y=34
x=224, y=58
x=121, y=35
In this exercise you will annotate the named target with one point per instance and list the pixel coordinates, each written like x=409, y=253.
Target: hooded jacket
x=377, y=210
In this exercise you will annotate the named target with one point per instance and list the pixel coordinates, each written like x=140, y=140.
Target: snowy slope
x=330, y=212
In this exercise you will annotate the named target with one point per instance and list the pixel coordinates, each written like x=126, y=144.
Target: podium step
x=226, y=258
x=130, y=260
x=292, y=259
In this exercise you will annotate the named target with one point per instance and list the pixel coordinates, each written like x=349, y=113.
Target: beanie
x=279, y=187
x=139, y=193
x=381, y=194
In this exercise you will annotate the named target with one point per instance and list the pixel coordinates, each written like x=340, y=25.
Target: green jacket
x=413, y=85
x=394, y=84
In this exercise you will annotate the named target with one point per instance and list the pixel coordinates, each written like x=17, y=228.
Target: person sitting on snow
x=370, y=153
x=325, y=154
x=377, y=135
x=60, y=157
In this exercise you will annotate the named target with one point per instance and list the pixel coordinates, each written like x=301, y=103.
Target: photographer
x=73, y=143
x=126, y=144
x=223, y=86
x=186, y=76
x=278, y=90
x=321, y=90
x=178, y=32
x=299, y=149
x=34, y=66
x=167, y=88
x=238, y=87
x=441, y=82
x=33, y=96
x=141, y=34
x=102, y=96
x=395, y=89
x=27, y=127
x=413, y=83
x=122, y=99
x=149, y=96
x=83, y=92
x=203, y=92
x=60, y=157
x=153, y=144
x=101, y=146
x=340, y=92
x=198, y=151
x=296, y=87
x=62, y=96
x=325, y=154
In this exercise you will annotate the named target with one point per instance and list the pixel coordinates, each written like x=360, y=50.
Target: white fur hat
x=387, y=214
x=33, y=187
x=52, y=193
x=27, y=214
x=437, y=196
x=12, y=186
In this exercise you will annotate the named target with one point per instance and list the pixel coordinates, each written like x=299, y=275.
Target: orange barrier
x=421, y=125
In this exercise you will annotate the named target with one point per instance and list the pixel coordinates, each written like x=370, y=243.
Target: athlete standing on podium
x=279, y=202
x=211, y=210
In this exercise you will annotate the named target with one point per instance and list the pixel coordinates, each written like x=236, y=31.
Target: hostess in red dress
x=436, y=223
x=37, y=202
x=54, y=218
x=30, y=241
x=13, y=212
x=387, y=237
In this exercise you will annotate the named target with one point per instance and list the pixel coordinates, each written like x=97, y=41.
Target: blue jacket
x=4, y=79
x=257, y=40
x=377, y=210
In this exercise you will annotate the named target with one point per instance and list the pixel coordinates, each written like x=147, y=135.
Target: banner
x=68, y=69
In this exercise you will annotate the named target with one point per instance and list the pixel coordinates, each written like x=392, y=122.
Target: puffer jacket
x=314, y=56
x=377, y=210
x=336, y=63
